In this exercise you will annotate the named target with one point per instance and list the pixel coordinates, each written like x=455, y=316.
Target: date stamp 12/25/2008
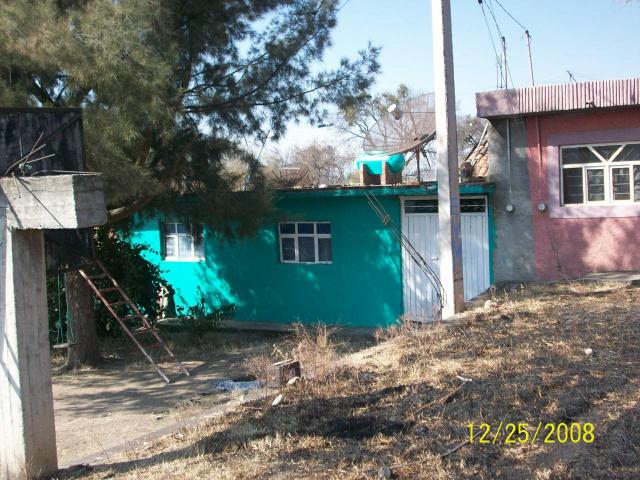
x=521, y=433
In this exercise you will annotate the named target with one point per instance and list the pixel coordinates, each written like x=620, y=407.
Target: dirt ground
x=102, y=414
x=125, y=403
x=563, y=354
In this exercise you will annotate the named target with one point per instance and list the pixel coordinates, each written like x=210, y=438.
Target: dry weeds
x=405, y=406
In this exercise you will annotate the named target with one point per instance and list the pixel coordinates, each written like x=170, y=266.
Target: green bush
x=199, y=318
x=140, y=279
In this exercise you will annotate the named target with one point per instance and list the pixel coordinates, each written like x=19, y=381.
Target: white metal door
x=420, y=226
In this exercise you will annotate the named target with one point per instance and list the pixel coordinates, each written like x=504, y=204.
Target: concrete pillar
x=450, y=243
x=27, y=207
x=28, y=439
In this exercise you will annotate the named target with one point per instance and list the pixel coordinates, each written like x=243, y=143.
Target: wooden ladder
x=104, y=285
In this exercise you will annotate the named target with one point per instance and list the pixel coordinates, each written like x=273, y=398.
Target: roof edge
x=562, y=97
x=429, y=188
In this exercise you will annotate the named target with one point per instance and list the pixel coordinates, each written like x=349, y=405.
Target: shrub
x=140, y=279
x=199, y=318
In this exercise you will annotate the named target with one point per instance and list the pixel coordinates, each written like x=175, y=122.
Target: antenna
x=504, y=59
x=533, y=82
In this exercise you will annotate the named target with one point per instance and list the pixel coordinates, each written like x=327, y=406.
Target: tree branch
x=298, y=48
x=120, y=213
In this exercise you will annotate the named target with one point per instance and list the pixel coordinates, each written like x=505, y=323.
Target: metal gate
x=420, y=226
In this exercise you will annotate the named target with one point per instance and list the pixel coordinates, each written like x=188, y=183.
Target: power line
x=491, y=9
x=343, y=5
x=511, y=16
x=495, y=50
x=527, y=35
x=493, y=15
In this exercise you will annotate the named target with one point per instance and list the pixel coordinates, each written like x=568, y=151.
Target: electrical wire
x=492, y=10
x=495, y=50
x=343, y=5
x=511, y=16
x=526, y=33
x=493, y=15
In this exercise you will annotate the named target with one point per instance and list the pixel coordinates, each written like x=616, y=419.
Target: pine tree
x=169, y=89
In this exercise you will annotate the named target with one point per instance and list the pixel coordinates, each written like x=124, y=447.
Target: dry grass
x=317, y=347
x=403, y=405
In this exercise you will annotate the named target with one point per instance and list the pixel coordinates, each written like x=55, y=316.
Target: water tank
x=374, y=161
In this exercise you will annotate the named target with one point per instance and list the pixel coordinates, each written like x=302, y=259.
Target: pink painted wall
x=576, y=241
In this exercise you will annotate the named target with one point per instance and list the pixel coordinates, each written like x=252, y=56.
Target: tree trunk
x=83, y=339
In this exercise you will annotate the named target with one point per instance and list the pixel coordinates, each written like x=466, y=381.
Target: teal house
x=329, y=258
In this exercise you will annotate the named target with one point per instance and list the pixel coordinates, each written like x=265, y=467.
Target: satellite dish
x=290, y=175
x=405, y=127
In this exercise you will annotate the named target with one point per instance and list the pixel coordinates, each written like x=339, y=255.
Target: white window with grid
x=305, y=242
x=182, y=242
x=601, y=174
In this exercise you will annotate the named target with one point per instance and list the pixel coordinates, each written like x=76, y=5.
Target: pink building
x=566, y=163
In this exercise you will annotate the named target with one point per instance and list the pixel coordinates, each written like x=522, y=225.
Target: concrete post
x=28, y=439
x=449, y=240
x=27, y=207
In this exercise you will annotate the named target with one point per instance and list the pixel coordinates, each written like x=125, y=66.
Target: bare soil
x=402, y=408
x=99, y=412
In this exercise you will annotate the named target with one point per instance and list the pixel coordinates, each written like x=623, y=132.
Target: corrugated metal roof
x=559, y=98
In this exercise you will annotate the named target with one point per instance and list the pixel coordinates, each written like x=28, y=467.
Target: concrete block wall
x=513, y=253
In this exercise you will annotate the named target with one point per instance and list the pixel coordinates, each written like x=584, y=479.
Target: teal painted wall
x=492, y=236
x=361, y=288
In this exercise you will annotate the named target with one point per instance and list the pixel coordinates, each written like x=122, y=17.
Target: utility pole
x=449, y=239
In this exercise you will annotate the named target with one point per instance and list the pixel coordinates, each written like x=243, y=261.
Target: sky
x=593, y=39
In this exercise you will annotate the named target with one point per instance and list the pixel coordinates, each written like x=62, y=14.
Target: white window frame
x=629, y=167
x=585, y=186
x=316, y=236
x=605, y=164
x=177, y=258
